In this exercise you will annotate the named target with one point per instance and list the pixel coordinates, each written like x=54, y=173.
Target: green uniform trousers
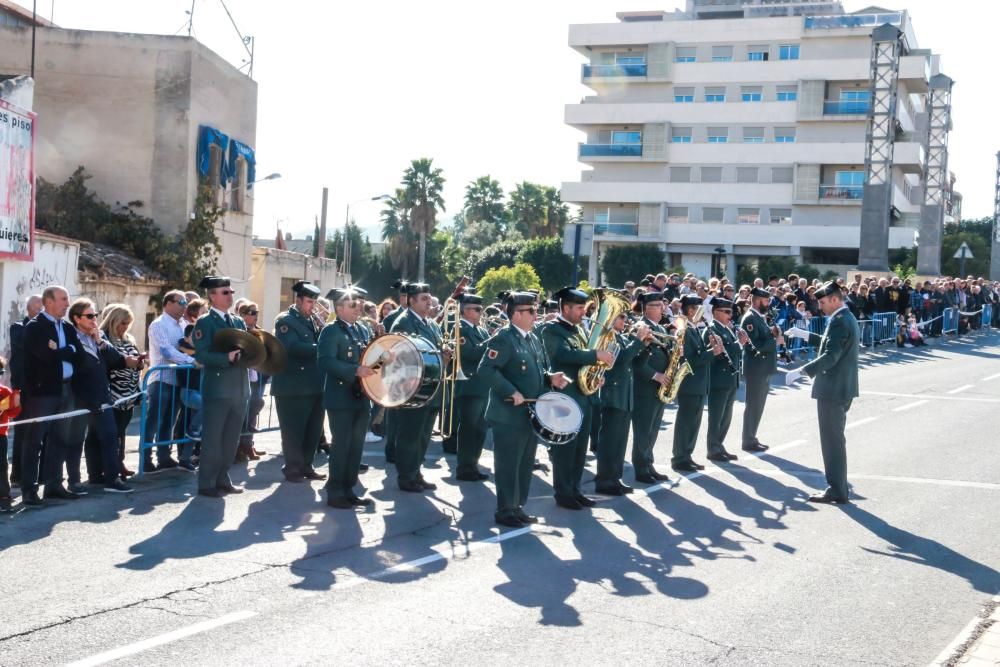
x=471, y=432
x=220, y=436
x=390, y=420
x=832, y=420
x=611, y=447
x=450, y=444
x=568, y=460
x=646, y=419
x=301, y=422
x=412, y=439
x=757, y=385
x=348, y=428
x=513, y=462
x=720, y=416
x=689, y=409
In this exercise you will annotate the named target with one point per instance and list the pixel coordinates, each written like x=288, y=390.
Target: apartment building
x=737, y=129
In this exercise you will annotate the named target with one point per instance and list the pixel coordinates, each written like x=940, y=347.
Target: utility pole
x=321, y=240
x=34, y=25
x=191, y=18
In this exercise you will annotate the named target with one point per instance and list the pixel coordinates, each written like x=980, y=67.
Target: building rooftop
x=103, y=262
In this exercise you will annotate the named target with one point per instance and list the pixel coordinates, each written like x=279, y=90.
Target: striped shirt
x=125, y=382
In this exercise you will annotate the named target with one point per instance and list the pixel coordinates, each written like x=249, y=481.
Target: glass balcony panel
x=610, y=150
x=855, y=192
x=627, y=69
x=846, y=107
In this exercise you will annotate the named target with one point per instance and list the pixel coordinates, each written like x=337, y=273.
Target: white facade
x=745, y=135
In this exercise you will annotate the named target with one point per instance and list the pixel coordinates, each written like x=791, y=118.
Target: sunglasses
x=227, y=292
x=532, y=309
x=252, y=312
x=89, y=316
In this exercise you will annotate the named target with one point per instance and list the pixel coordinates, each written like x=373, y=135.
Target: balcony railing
x=610, y=150
x=852, y=21
x=616, y=229
x=855, y=192
x=598, y=71
x=846, y=107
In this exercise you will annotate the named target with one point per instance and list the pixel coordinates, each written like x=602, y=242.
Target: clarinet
x=731, y=367
x=757, y=354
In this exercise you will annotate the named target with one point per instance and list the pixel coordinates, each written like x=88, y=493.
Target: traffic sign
x=963, y=252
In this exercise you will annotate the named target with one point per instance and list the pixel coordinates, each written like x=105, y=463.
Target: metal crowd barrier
x=884, y=328
x=950, y=321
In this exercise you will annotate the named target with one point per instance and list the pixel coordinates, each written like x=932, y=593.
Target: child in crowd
x=10, y=408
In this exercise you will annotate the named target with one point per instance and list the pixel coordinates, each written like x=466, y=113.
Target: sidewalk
x=983, y=650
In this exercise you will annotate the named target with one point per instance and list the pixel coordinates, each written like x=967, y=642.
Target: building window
x=685, y=54
x=238, y=195
x=621, y=58
x=788, y=52
x=781, y=216
x=712, y=215
x=718, y=135
x=748, y=216
x=680, y=135
x=711, y=174
x=752, y=94
x=854, y=95
x=849, y=178
x=722, y=54
x=757, y=53
x=683, y=94
x=787, y=93
x=781, y=174
x=680, y=174
x=677, y=214
x=746, y=174
x=629, y=137
x=753, y=135
x=784, y=135
x=715, y=94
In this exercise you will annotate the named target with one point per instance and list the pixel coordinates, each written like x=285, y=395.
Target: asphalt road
x=731, y=566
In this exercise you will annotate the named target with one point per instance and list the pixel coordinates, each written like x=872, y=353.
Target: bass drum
x=407, y=371
x=556, y=418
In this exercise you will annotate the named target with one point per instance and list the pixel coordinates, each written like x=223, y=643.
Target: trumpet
x=321, y=315
x=494, y=319
x=664, y=340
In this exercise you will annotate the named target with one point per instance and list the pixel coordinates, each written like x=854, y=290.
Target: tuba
x=609, y=306
x=677, y=367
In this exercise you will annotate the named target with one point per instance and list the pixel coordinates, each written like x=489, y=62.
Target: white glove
x=796, y=332
x=792, y=376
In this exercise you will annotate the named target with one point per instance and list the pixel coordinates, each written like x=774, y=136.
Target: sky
x=350, y=92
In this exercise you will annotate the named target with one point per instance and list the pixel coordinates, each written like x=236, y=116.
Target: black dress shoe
x=31, y=499
x=468, y=477
x=362, y=502
x=312, y=474
x=294, y=478
x=411, y=487
x=755, y=447
x=568, y=503
x=211, y=493
x=625, y=488
x=61, y=493
x=585, y=501
x=363, y=467
x=609, y=490
x=508, y=520
x=719, y=458
x=731, y=456
x=647, y=479
x=659, y=476
x=526, y=518
x=685, y=467
x=340, y=503
x=229, y=489
x=826, y=500
x=427, y=486
x=698, y=465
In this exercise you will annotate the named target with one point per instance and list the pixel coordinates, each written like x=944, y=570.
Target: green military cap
x=470, y=300
x=412, y=289
x=570, y=295
x=650, y=297
x=722, y=304
x=211, y=282
x=518, y=298
x=306, y=288
x=690, y=300
x=344, y=294
x=399, y=285
x=828, y=289
x=757, y=291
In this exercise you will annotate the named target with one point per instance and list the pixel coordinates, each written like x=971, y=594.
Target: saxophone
x=677, y=367
x=610, y=305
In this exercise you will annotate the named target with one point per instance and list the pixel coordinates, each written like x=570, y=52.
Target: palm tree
x=397, y=233
x=484, y=202
x=527, y=208
x=422, y=186
x=557, y=213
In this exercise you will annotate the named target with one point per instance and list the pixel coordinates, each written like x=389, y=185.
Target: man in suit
x=699, y=351
x=225, y=390
x=647, y=414
x=515, y=368
x=724, y=381
x=760, y=361
x=471, y=393
x=50, y=351
x=298, y=392
x=33, y=306
x=617, y=403
x=341, y=344
x=389, y=420
x=414, y=424
x=835, y=386
x=566, y=346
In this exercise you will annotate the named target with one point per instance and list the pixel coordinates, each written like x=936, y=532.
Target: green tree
x=401, y=242
x=422, y=187
x=362, y=255
x=537, y=211
x=631, y=262
x=554, y=267
x=517, y=277
x=504, y=253
x=484, y=202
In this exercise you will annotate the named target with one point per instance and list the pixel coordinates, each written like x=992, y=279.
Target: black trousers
x=832, y=420
x=348, y=428
x=720, y=416
x=101, y=444
x=568, y=460
x=757, y=386
x=54, y=434
x=123, y=417
x=471, y=432
x=4, y=473
x=611, y=447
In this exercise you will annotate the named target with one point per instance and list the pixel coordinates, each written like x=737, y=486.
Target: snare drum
x=407, y=371
x=556, y=418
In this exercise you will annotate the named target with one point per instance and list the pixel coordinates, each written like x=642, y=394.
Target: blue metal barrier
x=884, y=327
x=949, y=321
x=170, y=378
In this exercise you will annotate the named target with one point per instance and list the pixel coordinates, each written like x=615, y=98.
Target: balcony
x=616, y=227
x=846, y=107
x=852, y=21
x=841, y=192
x=610, y=150
x=608, y=71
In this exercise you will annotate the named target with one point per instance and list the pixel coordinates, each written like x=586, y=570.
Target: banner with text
x=17, y=182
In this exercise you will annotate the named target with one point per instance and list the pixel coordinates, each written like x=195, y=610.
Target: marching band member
x=760, y=361
x=566, y=345
x=698, y=352
x=339, y=350
x=724, y=381
x=415, y=424
x=617, y=404
x=472, y=393
x=298, y=392
x=389, y=420
x=515, y=369
x=648, y=412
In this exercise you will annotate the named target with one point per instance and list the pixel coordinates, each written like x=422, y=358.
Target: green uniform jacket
x=699, y=355
x=835, y=368
x=512, y=363
x=760, y=335
x=299, y=336
x=219, y=378
x=654, y=361
x=617, y=391
x=338, y=357
x=721, y=376
x=473, y=347
x=391, y=318
x=568, y=353
x=414, y=325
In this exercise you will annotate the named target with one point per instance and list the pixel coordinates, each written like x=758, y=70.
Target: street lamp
x=720, y=254
x=347, y=221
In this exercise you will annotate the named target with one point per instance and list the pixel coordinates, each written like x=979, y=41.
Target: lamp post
x=347, y=221
x=720, y=254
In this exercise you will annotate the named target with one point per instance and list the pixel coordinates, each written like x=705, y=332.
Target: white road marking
x=959, y=390
x=963, y=636
x=860, y=422
x=991, y=377
x=988, y=486
x=936, y=398
x=910, y=406
x=160, y=640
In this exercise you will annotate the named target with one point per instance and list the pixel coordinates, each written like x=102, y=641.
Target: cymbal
x=227, y=340
x=276, y=360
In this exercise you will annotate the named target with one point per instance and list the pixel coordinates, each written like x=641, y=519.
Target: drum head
x=558, y=412
x=400, y=373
